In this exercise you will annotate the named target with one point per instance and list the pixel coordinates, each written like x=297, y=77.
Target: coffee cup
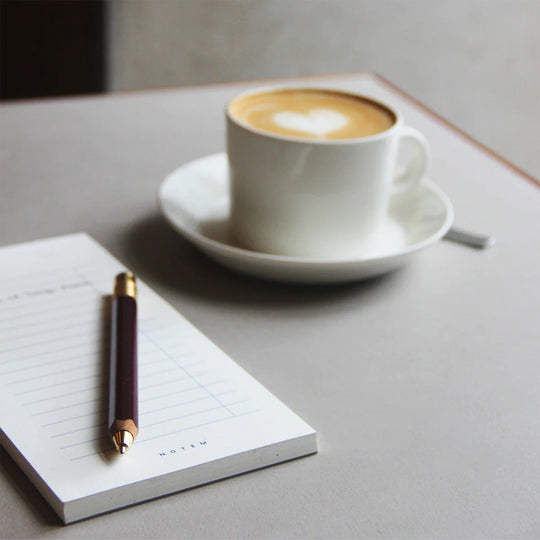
x=313, y=170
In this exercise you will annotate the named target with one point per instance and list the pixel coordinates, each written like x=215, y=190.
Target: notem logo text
x=189, y=447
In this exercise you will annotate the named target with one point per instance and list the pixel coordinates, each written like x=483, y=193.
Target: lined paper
x=196, y=405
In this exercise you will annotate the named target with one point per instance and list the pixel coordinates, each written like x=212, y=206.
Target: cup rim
x=307, y=140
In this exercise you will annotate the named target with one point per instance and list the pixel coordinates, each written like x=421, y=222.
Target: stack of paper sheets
x=201, y=416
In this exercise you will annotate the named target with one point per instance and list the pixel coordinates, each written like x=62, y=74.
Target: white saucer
x=195, y=201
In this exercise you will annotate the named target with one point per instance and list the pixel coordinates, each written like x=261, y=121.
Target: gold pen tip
x=122, y=440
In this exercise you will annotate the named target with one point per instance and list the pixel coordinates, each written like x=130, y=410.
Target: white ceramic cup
x=313, y=198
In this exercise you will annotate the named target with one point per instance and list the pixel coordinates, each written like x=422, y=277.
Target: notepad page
x=196, y=405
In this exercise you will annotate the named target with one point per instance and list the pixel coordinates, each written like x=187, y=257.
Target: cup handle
x=411, y=177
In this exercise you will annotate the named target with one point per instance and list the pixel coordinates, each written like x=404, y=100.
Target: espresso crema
x=312, y=113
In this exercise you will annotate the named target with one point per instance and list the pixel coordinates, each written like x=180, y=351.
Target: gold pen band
x=124, y=285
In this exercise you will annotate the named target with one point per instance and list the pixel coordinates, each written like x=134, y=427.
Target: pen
x=123, y=401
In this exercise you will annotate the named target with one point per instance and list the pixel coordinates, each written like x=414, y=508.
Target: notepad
x=201, y=416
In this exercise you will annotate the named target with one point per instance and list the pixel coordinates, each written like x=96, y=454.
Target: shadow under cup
x=313, y=196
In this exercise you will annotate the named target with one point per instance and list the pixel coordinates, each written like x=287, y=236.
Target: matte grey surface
x=422, y=384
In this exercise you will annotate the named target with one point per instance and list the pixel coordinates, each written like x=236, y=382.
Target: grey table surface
x=423, y=385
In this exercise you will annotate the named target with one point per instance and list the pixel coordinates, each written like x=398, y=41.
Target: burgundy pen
x=123, y=405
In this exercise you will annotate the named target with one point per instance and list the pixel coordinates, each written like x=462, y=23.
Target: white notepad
x=201, y=416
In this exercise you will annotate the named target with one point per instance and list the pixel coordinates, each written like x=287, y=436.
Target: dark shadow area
x=11, y=474
x=51, y=48
x=156, y=251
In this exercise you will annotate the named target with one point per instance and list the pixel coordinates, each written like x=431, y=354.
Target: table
x=422, y=384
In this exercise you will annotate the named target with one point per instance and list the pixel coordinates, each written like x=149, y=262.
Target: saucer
x=195, y=201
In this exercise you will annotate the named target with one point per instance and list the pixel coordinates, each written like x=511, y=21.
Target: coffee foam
x=311, y=113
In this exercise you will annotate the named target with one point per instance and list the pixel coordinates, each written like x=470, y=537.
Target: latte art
x=317, y=121
x=314, y=114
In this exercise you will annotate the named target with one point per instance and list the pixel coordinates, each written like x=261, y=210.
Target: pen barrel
x=123, y=402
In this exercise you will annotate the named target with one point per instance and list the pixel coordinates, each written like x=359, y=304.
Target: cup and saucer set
x=325, y=206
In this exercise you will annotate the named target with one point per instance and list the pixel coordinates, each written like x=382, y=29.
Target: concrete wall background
x=475, y=62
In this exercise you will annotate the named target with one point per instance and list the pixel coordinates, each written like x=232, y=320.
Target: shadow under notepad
x=11, y=474
x=155, y=250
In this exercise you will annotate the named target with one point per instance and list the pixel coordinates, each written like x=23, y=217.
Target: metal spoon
x=479, y=241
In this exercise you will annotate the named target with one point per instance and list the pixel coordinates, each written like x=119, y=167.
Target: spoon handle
x=480, y=241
